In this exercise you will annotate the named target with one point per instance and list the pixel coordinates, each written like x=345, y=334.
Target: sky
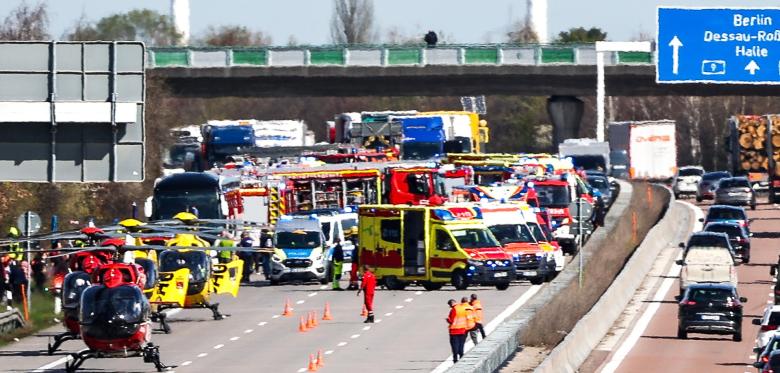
x=462, y=21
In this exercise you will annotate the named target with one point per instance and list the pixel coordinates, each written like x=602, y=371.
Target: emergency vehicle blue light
x=477, y=212
x=443, y=214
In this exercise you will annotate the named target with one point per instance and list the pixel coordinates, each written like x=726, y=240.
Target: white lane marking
x=300, y=302
x=217, y=347
x=341, y=344
x=55, y=363
x=203, y=354
x=377, y=321
x=769, y=302
x=328, y=352
x=407, y=300
x=261, y=323
x=184, y=364
x=312, y=294
x=302, y=370
x=643, y=321
x=275, y=316
x=752, y=357
x=389, y=314
x=234, y=339
x=353, y=336
x=399, y=307
x=248, y=331
x=493, y=324
x=366, y=327
x=418, y=292
x=323, y=287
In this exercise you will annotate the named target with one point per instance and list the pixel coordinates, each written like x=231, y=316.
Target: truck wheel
x=502, y=285
x=536, y=280
x=459, y=280
x=432, y=286
x=681, y=333
x=393, y=283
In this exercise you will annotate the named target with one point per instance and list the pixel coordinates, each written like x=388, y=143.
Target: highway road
x=658, y=349
x=410, y=333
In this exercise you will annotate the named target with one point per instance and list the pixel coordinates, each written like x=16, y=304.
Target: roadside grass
x=42, y=316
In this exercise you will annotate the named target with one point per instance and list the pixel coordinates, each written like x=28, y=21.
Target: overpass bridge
x=504, y=69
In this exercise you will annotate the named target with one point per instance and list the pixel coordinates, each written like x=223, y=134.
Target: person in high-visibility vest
x=458, y=326
x=477, y=306
x=470, y=317
x=15, y=250
x=225, y=256
x=338, y=264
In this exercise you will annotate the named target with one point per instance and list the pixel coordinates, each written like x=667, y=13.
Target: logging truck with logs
x=754, y=147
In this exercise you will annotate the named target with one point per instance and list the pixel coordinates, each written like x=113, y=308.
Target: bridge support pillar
x=565, y=114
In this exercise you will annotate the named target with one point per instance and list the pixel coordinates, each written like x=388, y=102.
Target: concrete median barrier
x=553, y=313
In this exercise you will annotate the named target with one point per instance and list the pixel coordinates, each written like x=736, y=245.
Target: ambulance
x=535, y=260
x=431, y=246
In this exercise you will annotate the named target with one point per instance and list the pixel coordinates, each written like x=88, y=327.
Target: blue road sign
x=718, y=45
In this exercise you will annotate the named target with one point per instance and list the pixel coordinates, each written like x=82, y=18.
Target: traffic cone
x=364, y=313
x=326, y=315
x=314, y=319
x=302, y=326
x=310, y=322
x=287, y=311
x=312, y=363
x=320, y=360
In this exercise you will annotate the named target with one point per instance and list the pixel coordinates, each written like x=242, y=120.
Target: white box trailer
x=652, y=148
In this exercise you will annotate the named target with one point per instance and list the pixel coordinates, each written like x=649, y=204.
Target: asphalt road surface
x=410, y=333
x=659, y=350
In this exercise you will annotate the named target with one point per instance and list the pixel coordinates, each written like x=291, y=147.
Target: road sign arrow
x=675, y=43
x=752, y=66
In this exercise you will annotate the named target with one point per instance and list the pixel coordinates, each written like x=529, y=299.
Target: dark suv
x=738, y=236
x=710, y=309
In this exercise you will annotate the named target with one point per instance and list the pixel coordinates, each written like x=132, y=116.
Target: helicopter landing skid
x=150, y=354
x=59, y=339
x=160, y=317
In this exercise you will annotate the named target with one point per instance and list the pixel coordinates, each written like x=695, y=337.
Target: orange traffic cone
x=302, y=326
x=314, y=318
x=310, y=322
x=364, y=313
x=312, y=364
x=320, y=360
x=326, y=315
x=287, y=311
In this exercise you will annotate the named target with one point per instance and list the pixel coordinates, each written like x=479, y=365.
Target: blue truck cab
x=423, y=137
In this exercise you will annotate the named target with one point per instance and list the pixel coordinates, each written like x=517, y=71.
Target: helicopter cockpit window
x=72, y=287
x=113, y=312
x=196, y=261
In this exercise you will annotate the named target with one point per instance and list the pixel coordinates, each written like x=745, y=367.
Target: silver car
x=735, y=191
x=709, y=183
x=686, y=180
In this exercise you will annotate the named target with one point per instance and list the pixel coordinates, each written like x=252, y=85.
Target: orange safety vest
x=470, y=317
x=477, y=305
x=461, y=318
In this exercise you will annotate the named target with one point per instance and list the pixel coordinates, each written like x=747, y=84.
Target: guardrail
x=385, y=56
x=10, y=321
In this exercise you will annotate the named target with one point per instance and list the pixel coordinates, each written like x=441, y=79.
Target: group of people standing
x=465, y=319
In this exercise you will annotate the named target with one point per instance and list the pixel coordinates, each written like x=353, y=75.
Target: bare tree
x=353, y=21
x=235, y=36
x=521, y=33
x=26, y=23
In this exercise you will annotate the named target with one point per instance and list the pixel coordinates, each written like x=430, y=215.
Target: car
x=771, y=365
x=735, y=191
x=601, y=183
x=727, y=214
x=686, y=181
x=708, y=184
x=764, y=354
x=738, y=236
x=710, y=309
x=768, y=323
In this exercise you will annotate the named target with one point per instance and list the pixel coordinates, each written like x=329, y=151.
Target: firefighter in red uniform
x=368, y=286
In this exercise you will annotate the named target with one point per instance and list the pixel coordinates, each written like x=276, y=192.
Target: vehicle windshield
x=690, y=172
x=715, y=176
x=348, y=224
x=709, y=295
x=180, y=155
x=553, y=195
x=512, y=233
x=599, y=183
x=734, y=183
x=196, y=261
x=774, y=318
x=420, y=150
x=473, y=238
x=702, y=240
x=540, y=232
x=725, y=214
x=297, y=239
x=618, y=157
x=169, y=203
x=589, y=162
x=112, y=312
